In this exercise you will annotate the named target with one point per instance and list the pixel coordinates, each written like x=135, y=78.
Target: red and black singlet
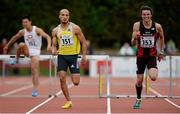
x=147, y=41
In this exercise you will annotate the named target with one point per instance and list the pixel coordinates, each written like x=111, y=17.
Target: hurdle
x=147, y=86
x=88, y=57
x=5, y=58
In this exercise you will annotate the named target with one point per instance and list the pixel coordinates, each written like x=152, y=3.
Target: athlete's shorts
x=142, y=62
x=34, y=52
x=68, y=61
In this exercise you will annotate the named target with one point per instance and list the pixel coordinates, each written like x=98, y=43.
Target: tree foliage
x=106, y=23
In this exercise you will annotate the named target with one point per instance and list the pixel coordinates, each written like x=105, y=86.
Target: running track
x=15, y=98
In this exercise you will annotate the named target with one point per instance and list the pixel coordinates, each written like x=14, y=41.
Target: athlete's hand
x=54, y=52
x=138, y=34
x=49, y=49
x=5, y=49
x=84, y=60
x=161, y=56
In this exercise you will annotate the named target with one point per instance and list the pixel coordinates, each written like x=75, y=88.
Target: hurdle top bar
x=47, y=57
x=42, y=57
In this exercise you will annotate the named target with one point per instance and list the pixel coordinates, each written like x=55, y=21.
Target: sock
x=138, y=91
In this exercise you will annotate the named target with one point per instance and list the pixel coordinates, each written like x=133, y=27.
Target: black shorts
x=65, y=61
x=142, y=62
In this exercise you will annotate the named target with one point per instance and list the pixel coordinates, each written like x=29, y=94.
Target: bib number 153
x=147, y=42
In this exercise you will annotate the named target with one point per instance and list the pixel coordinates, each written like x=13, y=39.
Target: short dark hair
x=145, y=7
x=26, y=17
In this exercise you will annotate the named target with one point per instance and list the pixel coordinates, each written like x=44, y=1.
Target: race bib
x=66, y=40
x=31, y=41
x=147, y=41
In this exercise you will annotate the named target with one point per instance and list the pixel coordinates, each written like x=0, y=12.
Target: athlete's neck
x=147, y=24
x=64, y=25
x=29, y=28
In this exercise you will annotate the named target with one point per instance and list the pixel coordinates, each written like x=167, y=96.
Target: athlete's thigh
x=152, y=67
x=141, y=63
x=62, y=63
x=23, y=49
x=73, y=64
x=152, y=62
x=35, y=62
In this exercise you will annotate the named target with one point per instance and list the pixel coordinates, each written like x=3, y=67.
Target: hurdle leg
x=100, y=82
x=146, y=82
x=50, y=76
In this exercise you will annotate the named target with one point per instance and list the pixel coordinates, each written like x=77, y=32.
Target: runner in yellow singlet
x=67, y=41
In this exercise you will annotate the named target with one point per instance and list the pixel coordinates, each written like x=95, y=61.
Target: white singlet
x=33, y=42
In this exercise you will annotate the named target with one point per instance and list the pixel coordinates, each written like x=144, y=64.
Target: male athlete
x=31, y=48
x=68, y=37
x=145, y=34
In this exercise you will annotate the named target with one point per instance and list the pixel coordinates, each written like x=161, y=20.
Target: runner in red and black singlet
x=145, y=34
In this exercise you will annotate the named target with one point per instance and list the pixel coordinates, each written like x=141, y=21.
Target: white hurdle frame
x=88, y=57
x=42, y=58
x=108, y=95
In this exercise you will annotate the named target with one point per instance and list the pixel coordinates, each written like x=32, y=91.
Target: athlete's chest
x=66, y=38
x=147, y=39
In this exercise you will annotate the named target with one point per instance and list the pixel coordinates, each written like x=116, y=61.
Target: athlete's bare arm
x=136, y=33
x=13, y=39
x=54, y=42
x=161, y=36
x=82, y=39
x=46, y=36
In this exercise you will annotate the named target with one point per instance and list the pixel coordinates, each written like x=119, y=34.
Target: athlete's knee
x=153, y=74
x=153, y=78
x=139, y=83
x=75, y=79
x=139, y=80
x=21, y=45
x=76, y=83
x=62, y=76
x=34, y=71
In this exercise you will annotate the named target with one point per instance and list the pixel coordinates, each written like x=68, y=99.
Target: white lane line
x=108, y=98
x=47, y=100
x=18, y=90
x=108, y=105
x=91, y=113
x=166, y=99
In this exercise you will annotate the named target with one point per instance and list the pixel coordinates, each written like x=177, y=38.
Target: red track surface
x=85, y=97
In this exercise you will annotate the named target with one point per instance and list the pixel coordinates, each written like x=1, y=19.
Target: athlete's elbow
x=133, y=42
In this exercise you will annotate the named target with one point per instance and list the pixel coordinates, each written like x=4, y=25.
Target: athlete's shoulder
x=136, y=26
x=74, y=25
x=55, y=29
x=21, y=32
x=158, y=26
x=38, y=30
x=137, y=23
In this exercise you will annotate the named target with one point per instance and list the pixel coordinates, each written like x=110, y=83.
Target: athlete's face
x=64, y=16
x=146, y=15
x=26, y=23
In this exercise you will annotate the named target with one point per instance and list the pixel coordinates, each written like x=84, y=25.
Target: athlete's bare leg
x=22, y=49
x=64, y=85
x=35, y=71
x=138, y=90
x=139, y=85
x=75, y=78
x=153, y=74
x=139, y=79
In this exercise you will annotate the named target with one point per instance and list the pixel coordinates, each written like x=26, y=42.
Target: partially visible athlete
x=31, y=47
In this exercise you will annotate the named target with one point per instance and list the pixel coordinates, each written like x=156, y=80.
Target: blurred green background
x=106, y=23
